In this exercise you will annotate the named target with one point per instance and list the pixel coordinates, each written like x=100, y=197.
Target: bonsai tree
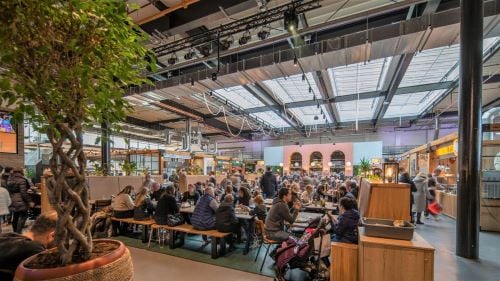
x=65, y=64
x=364, y=166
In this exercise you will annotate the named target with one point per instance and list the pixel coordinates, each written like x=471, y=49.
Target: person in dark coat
x=345, y=229
x=268, y=184
x=405, y=178
x=226, y=220
x=190, y=195
x=18, y=186
x=166, y=206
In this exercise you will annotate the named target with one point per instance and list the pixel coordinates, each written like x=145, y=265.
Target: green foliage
x=69, y=61
x=128, y=167
x=364, y=165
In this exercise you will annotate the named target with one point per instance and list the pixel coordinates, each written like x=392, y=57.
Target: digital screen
x=8, y=135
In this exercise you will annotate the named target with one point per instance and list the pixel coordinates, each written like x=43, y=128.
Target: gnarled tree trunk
x=69, y=188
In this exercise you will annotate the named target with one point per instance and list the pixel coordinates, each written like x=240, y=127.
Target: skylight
x=239, y=96
x=348, y=111
x=359, y=77
x=306, y=115
x=271, y=118
x=293, y=88
x=411, y=104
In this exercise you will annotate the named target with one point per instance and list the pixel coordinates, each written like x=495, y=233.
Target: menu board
x=8, y=135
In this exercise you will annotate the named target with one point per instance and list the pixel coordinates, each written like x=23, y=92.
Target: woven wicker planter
x=114, y=266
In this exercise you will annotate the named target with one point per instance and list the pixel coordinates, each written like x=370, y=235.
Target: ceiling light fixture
x=214, y=76
x=264, y=33
x=190, y=54
x=316, y=117
x=303, y=76
x=291, y=20
x=173, y=59
x=226, y=43
x=295, y=61
x=245, y=38
x=192, y=83
x=206, y=50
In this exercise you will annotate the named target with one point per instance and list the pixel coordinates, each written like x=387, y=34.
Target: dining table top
x=329, y=206
x=239, y=215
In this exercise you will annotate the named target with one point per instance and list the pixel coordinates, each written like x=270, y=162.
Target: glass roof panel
x=359, y=77
x=411, y=104
x=239, y=96
x=306, y=115
x=271, y=118
x=293, y=88
x=348, y=112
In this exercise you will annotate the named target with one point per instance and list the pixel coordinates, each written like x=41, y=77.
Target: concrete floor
x=441, y=234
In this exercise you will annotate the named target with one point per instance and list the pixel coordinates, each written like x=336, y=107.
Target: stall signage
x=178, y=156
x=448, y=149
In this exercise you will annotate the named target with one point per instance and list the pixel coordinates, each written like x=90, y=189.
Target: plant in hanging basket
x=65, y=65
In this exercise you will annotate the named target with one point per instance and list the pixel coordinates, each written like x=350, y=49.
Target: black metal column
x=469, y=131
x=105, y=148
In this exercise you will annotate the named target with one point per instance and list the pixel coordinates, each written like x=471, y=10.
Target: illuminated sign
x=448, y=149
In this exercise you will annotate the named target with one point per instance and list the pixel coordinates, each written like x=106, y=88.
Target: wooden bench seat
x=217, y=237
x=146, y=223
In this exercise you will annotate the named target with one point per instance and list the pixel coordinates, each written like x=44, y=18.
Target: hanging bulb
x=303, y=76
x=295, y=61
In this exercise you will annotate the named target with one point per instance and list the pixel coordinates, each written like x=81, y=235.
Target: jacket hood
x=351, y=214
x=419, y=179
x=277, y=200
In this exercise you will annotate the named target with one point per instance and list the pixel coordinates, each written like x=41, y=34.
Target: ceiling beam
x=323, y=82
x=365, y=95
x=169, y=121
x=191, y=113
x=144, y=124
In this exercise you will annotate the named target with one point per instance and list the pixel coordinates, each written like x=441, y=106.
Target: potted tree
x=128, y=167
x=65, y=64
x=364, y=166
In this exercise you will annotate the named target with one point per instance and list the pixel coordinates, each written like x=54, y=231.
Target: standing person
x=405, y=178
x=279, y=214
x=236, y=181
x=18, y=247
x=18, y=186
x=4, y=204
x=5, y=176
x=420, y=196
x=268, y=184
x=226, y=220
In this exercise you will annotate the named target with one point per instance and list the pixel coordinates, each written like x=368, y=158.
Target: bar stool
x=161, y=232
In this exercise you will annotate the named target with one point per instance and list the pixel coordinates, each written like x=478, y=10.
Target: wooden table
x=305, y=216
x=190, y=210
x=448, y=202
x=391, y=259
x=329, y=206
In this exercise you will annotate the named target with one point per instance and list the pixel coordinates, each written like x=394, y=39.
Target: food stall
x=490, y=187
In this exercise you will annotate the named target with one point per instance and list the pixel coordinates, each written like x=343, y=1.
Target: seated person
x=18, y=247
x=167, y=205
x=225, y=219
x=345, y=229
x=308, y=195
x=295, y=194
x=260, y=210
x=279, y=213
x=353, y=189
x=244, y=196
x=203, y=217
x=228, y=190
x=156, y=191
x=191, y=195
x=123, y=205
x=142, y=205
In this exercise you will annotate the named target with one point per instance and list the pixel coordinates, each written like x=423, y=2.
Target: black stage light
x=226, y=43
x=173, y=59
x=192, y=83
x=291, y=21
x=206, y=50
x=295, y=61
x=214, y=76
x=245, y=38
x=263, y=33
x=316, y=117
x=190, y=54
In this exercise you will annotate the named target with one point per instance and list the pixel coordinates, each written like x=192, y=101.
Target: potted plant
x=128, y=167
x=65, y=65
x=364, y=166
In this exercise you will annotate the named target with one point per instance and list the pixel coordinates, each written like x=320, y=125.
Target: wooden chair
x=259, y=225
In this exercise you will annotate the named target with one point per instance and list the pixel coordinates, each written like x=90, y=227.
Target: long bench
x=217, y=237
x=145, y=223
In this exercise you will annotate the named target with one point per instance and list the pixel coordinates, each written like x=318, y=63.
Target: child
x=345, y=229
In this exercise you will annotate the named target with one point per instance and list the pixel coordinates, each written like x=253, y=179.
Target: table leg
x=214, y=247
x=171, y=239
x=145, y=234
x=223, y=246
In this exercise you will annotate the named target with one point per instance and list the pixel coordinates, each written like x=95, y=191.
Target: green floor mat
x=192, y=251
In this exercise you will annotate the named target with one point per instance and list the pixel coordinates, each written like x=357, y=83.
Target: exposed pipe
x=437, y=123
x=184, y=4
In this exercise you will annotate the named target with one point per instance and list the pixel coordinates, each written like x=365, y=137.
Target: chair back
x=259, y=226
x=99, y=204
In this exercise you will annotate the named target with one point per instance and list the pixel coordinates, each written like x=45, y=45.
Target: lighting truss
x=251, y=22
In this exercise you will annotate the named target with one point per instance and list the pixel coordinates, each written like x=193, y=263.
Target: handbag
x=175, y=220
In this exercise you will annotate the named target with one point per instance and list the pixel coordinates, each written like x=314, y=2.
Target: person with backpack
x=18, y=186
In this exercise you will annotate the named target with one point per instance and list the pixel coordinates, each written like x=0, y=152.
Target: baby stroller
x=306, y=252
